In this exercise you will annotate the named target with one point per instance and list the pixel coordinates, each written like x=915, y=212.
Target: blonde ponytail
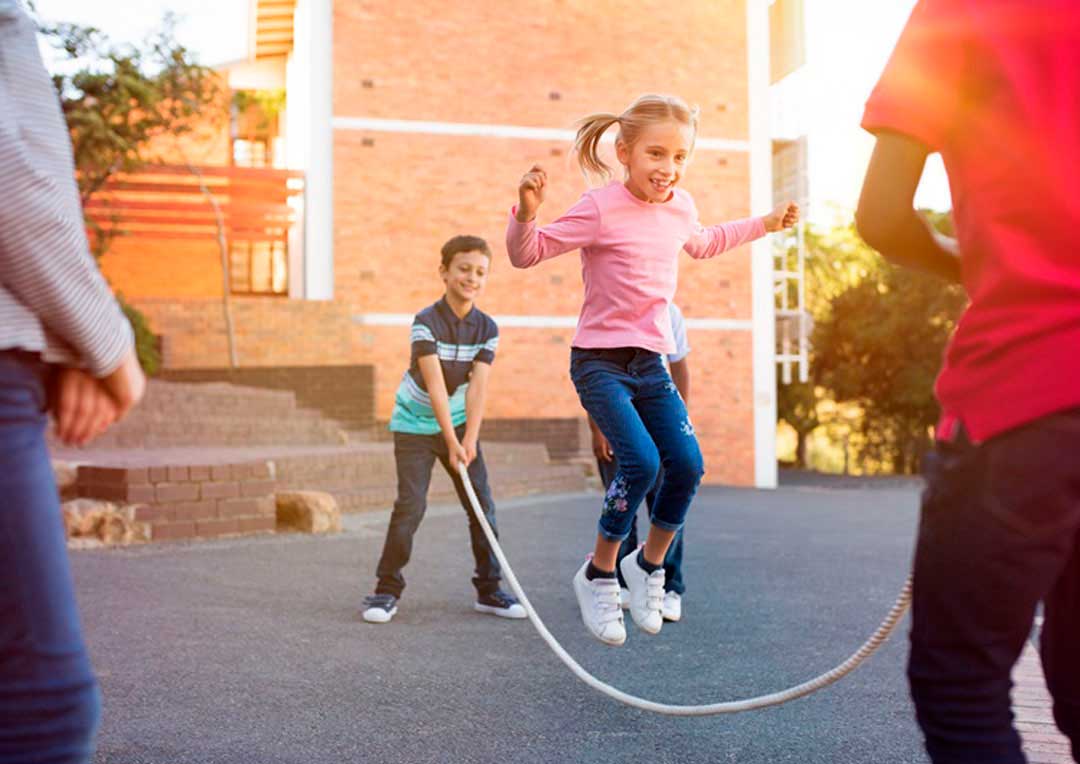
x=587, y=142
x=646, y=110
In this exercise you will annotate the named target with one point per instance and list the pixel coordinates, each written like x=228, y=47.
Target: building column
x=761, y=198
x=313, y=60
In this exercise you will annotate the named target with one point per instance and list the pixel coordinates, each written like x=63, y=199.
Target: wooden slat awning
x=167, y=202
x=272, y=22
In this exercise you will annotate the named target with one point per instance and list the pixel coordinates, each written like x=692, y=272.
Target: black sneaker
x=501, y=604
x=379, y=608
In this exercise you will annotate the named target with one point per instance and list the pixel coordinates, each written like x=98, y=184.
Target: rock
x=308, y=512
x=103, y=522
x=66, y=479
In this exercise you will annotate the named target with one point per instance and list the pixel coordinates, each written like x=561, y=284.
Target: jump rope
x=868, y=648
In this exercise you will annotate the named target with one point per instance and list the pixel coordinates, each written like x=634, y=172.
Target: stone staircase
x=218, y=414
x=205, y=460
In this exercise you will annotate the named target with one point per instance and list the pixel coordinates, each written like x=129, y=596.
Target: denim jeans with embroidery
x=630, y=396
x=673, y=577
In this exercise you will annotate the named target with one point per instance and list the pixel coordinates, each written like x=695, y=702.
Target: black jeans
x=415, y=456
x=1000, y=532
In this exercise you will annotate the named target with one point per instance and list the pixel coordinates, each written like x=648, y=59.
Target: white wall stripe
x=373, y=124
x=554, y=322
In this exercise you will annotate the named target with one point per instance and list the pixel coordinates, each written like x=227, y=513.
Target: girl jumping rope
x=630, y=234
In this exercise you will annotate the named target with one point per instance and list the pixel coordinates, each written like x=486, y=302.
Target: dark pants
x=415, y=456
x=49, y=701
x=1000, y=532
x=673, y=579
x=630, y=396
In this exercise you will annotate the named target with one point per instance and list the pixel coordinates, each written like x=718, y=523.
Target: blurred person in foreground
x=65, y=348
x=994, y=86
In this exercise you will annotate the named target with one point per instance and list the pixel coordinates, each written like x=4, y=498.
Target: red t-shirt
x=994, y=85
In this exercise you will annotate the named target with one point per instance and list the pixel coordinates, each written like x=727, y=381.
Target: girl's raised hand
x=784, y=216
x=531, y=193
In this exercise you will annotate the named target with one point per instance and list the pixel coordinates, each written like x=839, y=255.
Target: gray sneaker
x=379, y=608
x=501, y=604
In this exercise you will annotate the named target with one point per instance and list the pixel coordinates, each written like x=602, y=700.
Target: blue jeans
x=1000, y=532
x=630, y=396
x=673, y=579
x=415, y=457
x=49, y=700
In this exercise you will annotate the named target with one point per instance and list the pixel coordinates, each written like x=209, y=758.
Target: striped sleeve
x=422, y=339
x=49, y=282
x=486, y=353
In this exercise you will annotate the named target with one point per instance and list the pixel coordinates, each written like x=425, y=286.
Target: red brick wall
x=398, y=197
x=495, y=62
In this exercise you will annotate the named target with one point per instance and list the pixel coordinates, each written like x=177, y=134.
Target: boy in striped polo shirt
x=437, y=414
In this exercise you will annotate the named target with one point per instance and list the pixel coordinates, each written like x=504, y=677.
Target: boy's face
x=466, y=275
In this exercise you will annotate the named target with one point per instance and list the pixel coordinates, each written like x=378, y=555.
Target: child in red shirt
x=994, y=86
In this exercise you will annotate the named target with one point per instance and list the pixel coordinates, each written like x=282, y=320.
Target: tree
x=836, y=259
x=117, y=100
x=880, y=345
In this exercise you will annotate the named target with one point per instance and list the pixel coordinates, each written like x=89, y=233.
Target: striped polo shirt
x=459, y=343
x=53, y=299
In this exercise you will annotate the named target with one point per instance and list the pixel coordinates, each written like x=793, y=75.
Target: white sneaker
x=624, y=599
x=672, y=609
x=599, y=603
x=646, y=594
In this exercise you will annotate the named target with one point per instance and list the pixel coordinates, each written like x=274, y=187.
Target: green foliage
x=269, y=104
x=118, y=98
x=878, y=341
x=836, y=260
x=881, y=347
x=146, y=342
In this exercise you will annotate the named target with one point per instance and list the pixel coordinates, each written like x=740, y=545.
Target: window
x=249, y=153
x=259, y=267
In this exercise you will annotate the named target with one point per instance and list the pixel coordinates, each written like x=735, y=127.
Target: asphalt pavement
x=251, y=651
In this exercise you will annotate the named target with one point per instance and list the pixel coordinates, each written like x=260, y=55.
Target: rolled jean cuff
x=612, y=536
x=666, y=526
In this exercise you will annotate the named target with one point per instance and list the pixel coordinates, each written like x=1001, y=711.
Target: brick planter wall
x=565, y=437
x=189, y=501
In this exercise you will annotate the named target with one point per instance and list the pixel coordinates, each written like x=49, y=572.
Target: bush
x=146, y=342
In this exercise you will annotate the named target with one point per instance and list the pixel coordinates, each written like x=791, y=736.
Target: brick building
x=412, y=122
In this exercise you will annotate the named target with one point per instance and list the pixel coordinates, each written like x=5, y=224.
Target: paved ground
x=252, y=652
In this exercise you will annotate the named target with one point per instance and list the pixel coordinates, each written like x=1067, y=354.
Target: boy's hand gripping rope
x=728, y=707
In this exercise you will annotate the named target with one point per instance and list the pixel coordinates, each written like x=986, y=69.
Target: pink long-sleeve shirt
x=629, y=260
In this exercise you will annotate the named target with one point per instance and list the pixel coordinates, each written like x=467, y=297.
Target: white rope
x=727, y=707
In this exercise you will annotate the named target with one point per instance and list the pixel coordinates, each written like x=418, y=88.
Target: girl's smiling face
x=656, y=160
